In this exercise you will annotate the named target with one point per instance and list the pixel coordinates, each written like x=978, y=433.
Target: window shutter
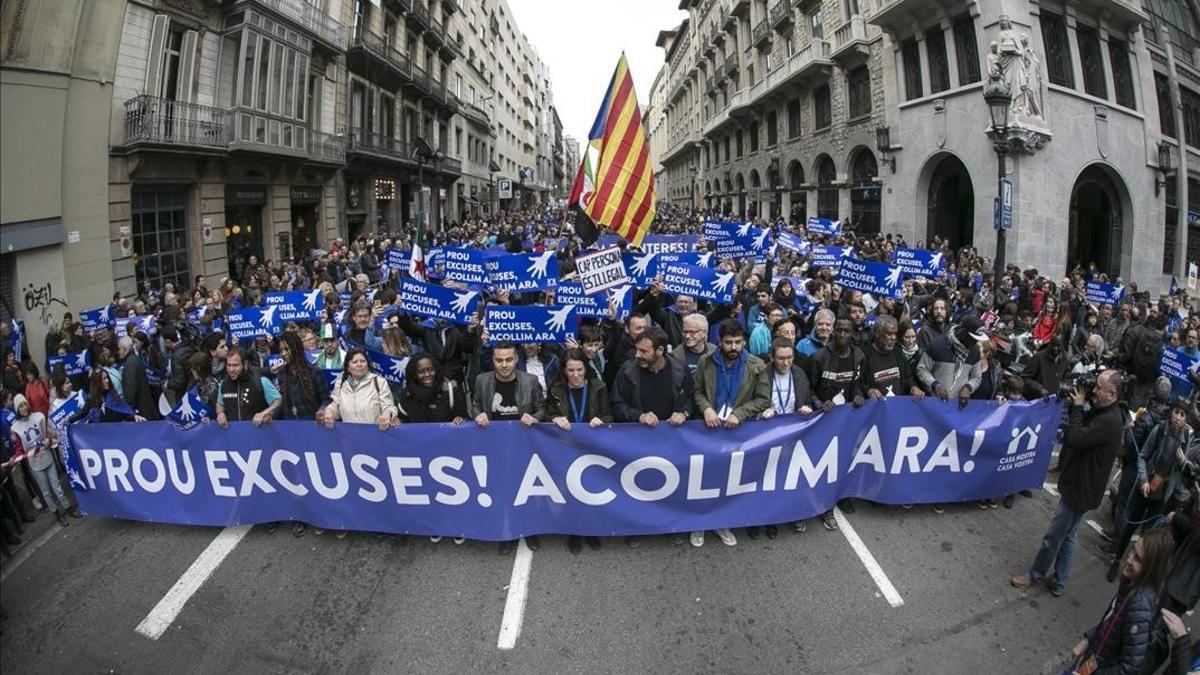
x=156, y=55
x=185, y=91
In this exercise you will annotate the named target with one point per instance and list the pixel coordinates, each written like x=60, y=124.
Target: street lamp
x=493, y=169
x=1166, y=166
x=883, y=143
x=998, y=98
x=422, y=152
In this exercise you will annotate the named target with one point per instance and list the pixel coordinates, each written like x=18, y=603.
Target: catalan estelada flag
x=614, y=186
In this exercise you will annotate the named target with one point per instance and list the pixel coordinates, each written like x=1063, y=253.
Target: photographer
x=1090, y=444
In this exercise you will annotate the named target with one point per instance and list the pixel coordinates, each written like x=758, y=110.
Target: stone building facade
x=872, y=111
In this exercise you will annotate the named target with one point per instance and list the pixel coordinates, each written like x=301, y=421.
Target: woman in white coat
x=360, y=396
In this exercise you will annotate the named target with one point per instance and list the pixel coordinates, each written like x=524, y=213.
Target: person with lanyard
x=790, y=393
x=695, y=342
x=332, y=356
x=731, y=386
x=586, y=402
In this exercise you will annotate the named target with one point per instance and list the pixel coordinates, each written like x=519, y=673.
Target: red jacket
x=38, y=395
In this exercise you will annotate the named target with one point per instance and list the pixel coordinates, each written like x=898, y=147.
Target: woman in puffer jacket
x=360, y=396
x=1119, y=642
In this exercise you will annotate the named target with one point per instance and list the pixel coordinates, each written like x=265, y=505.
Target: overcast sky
x=580, y=43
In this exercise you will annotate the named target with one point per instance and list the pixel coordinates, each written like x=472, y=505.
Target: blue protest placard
x=520, y=273
x=595, y=305
x=701, y=283
x=465, y=265
x=824, y=226
x=830, y=256
x=507, y=481
x=67, y=408
x=793, y=242
x=75, y=363
x=1105, y=294
x=705, y=259
x=93, y=320
x=191, y=411
x=397, y=260
x=919, y=262
x=1177, y=366
x=641, y=267
x=143, y=324
x=438, y=302
x=670, y=243
x=254, y=322
x=297, y=305
x=756, y=243
x=392, y=368
x=878, y=279
x=529, y=323
x=716, y=230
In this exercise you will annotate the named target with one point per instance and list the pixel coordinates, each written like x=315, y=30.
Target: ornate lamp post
x=998, y=98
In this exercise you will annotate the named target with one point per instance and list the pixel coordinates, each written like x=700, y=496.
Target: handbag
x=1088, y=662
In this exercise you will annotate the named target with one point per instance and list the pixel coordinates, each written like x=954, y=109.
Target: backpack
x=1146, y=355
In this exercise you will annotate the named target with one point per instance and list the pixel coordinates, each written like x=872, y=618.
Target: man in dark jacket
x=135, y=386
x=1090, y=444
x=836, y=372
x=507, y=393
x=181, y=355
x=887, y=372
x=653, y=386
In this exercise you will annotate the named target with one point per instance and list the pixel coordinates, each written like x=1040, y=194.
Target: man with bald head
x=1090, y=444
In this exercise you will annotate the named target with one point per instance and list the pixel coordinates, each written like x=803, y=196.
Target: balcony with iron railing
x=420, y=79
x=155, y=121
x=849, y=40
x=761, y=34
x=781, y=15
x=327, y=147
x=369, y=54
x=436, y=33
x=420, y=14
x=804, y=67
x=475, y=114
x=308, y=17
x=451, y=6
x=722, y=117
x=730, y=69
x=363, y=142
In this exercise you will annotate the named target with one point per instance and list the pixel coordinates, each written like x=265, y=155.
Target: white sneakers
x=726, y=536
x=698, y=539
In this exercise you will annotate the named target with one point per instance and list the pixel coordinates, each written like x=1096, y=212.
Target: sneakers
x=800, y=526
x=62, y=518
x=298, y=530
x=752, y=532
x=1022, y=582
x=1008, y=502
x=533, y=542
x=435, y=538
x=272, y=526
x=727, y=537
x=771, y=531
x=318, y=531
x=697, y=538
x=939, y=508
x=74, y=512
x=829, y=521
x=458, y=541
x=340, y=534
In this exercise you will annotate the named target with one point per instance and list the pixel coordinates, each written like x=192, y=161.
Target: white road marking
x=164, y=613
x=868, y=560
x=1052, y=488
x=518, y=592
x=30, y=548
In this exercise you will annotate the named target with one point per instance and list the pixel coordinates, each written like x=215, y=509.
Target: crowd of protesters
x=793, y=341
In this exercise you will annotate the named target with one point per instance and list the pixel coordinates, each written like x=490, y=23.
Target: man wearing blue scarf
x=731, y=386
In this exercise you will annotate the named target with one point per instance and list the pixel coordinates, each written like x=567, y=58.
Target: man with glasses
x=695, y=343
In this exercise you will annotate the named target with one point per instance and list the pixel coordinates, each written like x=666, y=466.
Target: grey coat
x=530, y=398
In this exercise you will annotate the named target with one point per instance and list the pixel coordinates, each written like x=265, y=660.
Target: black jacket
x=1128, y=639
x=136, y=388
x=598, y=404
x=181, y=374
x=626, y=393
x=1090, y=444
x=449, y=403
x=823, y=363
x=294, y=406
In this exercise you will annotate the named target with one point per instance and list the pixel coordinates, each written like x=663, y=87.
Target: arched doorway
x=951, y=208
x=827, y=191
x=728, y=201
x=756, y=191
x=739, y=187
x=865, y=197
x=708, y=194
x=775, y=187
x=1096, y=222
x=798, y=194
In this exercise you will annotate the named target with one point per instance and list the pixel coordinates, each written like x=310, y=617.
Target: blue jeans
x=1058, y=547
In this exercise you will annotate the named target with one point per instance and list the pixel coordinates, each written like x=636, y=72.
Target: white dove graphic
x=186, y=412
x=761, y=242
x=743, y=229
x=846, y=253
x=721, y=282
x=398, y=367
x=537, y=268
x=617, y=295
x=462, y=300
x=104, y=315
x=558, y=318
x=1117, y=293
x=81, y=359
x=935, y=262
x=893, y=277
x=705, y=259
x=641, y=266
x=310, y=300
x=268, y=316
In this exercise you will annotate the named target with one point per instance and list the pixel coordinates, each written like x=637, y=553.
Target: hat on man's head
x=327, y=332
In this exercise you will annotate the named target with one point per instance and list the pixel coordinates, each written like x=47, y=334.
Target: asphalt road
x=802, y=603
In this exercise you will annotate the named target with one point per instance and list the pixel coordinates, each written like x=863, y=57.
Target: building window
x=858, y=88
x=1091, y=61
x=794, y=120
x=1166, y=112
x=772, y=128
x=1058, y=52
x=1118, y=56
x=814, y=22
x=911, y=54
x=822, y=108
x=939, y=62
x=740, y=148
x=827, y=192
x=754, y=136
x=966, y=51
x=273, y=80
x=1191, y=116
x=728, y=157
x=159, y=229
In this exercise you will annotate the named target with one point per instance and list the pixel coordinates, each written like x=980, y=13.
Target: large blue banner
x=529, y=323
x=437, y=302
x=1107, y=294
x=144, y=324
x=878, y=279
x=701, y=283
x=508, y=481
x=641, y=268
x=919, y=262
x=465, y=265
x=705, y=259
x=520, y=272
x=755, y=243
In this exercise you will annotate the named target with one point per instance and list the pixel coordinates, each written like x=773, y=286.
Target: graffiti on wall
x=40, y=299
